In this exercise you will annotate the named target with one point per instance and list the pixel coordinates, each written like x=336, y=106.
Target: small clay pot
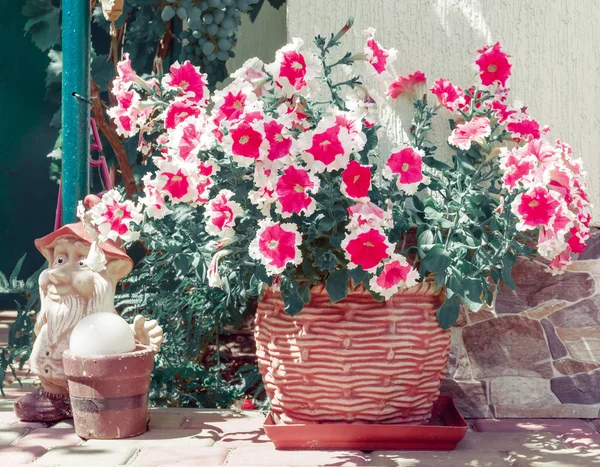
x=109, y=394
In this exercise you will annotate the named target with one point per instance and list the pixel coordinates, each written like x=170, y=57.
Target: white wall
x=555, y=48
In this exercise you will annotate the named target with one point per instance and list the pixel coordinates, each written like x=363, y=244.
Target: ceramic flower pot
x=109, y=394
x=357, y=360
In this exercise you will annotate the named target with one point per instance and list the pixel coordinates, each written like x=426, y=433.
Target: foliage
x=167, y=285
x=20, y=335
x=285, y=165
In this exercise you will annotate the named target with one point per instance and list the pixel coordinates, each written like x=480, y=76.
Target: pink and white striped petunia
x=153, y=200
x=366, y=247
x=407, y=164
x=114, y=218
x=448, y=95
x=188, y=78
x=396, y=274
x=379, y=58
x=221, y=214
x=293, y=187
x=475, y=130
x=494, y=66
x=410, y=86
x=536, y=207
x=276, y=246
x=356, y=181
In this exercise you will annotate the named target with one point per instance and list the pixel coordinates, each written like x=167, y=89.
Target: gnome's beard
x=63, y=315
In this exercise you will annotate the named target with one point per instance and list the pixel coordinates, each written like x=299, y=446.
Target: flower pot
x=109, y=394
x=357, y=360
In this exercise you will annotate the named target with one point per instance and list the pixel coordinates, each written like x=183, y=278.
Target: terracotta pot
x=357, y=360
x=109, y=394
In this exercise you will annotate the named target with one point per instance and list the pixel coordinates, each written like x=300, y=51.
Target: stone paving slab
x=185, y=437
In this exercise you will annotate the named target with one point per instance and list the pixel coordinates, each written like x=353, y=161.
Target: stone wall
x=537, y=354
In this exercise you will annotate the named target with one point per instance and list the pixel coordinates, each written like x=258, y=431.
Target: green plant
x=20, y=335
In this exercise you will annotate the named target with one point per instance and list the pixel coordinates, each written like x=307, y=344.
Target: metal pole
x=75, y=106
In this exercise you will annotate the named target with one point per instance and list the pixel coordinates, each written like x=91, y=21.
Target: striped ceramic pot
x=357, y=360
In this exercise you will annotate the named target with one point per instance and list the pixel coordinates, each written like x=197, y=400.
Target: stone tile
x=6, y=405
x=583, y=343
x=224, y=422
x=165, y=418
x=596, y=424
x=536, y=454
x=536, y=286
x=580, y=314
x=437, y=459
x=469, y=396
x=161, y=438
x=582, y=441
x=518, y=390
x=568, y=366
x=459, y=367
x=10, y=434
x=557, y=410
x=518, y=348
x=481, y=315
x=66, y=423
x=578, y=389
x=8, y=418
x=592, y=250
x=15, y=455
x=556, y=346
x=545, y=309
x=543, y=425
x=151, y=457
x=49, y=438
x=268, y=455
x=84, y=455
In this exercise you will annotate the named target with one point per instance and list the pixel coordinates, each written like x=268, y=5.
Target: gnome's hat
x=78, y=231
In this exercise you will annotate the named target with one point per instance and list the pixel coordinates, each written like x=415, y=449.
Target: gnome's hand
x=148, y=333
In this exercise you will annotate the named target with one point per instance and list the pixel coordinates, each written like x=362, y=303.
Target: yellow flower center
x=325, y=143
x=534, y=204
x=492, y=68
x=404, y=167
x=273, y=244
x=183, y=85
x=299, y=188
x=238, y=105
x=368, y=244
x=177, y=178
x=279, y=138
x=297, y=66
x=244, y=139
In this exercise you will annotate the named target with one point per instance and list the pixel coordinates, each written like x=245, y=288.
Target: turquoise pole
x=75, y=106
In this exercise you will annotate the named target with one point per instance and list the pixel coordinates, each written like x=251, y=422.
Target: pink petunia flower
x=370, y=215
x=294, y=70
x=156, y=206
x=113, y=218
x=502, y=111
x=377, y=56
x=526, y=129
x=493, y=65
x=292, y=191
x=396, y=274
x=356, y=181
x=245, y=142
x=518, y=166
x=276, y=245
x=411, y=86
x=560, y=262
x=476, y=130
x=188, y=78
x=192, y=135
x=178, y=111
x=126, y=114
x=535, y=207
x=448, y=95
x=206, y=170
x=221, y=214
x=327, y=147
x=407, y=164
x=280, y=146
x=177, y=181
x=366, y=247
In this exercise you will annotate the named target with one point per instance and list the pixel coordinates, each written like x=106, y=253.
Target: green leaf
x=292, y=301
x=102, y=71
x=261, y=273
x=44, y=23
x=16, y=271
x=448, y=313
x=473, y=291
x=507, y=264
x=437, y=260
x=304, y=291
x=357, y=274
x=426, y=241
x=337, y=285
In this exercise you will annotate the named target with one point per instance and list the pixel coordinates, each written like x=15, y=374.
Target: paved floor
x=222, y=437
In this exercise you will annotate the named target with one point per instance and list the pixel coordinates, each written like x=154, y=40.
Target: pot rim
x=140, y=351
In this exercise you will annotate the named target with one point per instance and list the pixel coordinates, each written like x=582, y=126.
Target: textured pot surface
x=357, y=360
x=109, y=395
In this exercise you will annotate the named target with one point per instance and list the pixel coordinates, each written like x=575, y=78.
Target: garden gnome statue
x=71, y=289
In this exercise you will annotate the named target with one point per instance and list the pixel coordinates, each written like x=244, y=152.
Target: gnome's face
x=67, y=273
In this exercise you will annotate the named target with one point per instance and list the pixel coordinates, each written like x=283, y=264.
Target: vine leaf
x=43, y=23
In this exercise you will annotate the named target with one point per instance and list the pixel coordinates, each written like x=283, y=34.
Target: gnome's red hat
x=77, y=230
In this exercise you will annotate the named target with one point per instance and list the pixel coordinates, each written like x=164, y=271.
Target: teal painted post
x=75, y=111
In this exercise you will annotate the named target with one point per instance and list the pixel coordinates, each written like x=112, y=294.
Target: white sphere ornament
x=102, y=334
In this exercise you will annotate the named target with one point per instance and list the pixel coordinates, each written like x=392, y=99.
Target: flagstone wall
x=537, y=354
